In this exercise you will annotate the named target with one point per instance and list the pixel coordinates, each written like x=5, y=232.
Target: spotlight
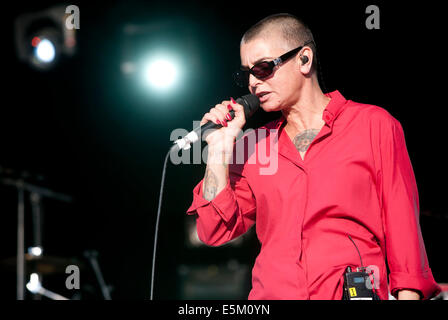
x=34, y=284
x=35, y=287
x=43, y=48
x=45, y=51
x=161, y=73
x=160, y=59
x=42, y=38
x=35, y=251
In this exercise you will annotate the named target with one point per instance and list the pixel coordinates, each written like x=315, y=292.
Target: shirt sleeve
x=405, y=249
x=230, y=214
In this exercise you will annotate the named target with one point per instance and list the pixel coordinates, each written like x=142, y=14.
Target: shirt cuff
x=423, y=283
x=224, y=203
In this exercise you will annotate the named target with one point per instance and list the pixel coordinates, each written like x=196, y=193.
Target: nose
x=253, y=82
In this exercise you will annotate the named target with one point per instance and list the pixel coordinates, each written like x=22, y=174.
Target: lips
x=260, y=94
x=263, y=96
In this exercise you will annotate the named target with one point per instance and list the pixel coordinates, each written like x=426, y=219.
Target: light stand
x=92, y=257
x=36, y=194
x=35, y=287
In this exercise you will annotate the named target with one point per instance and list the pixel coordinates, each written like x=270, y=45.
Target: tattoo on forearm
x=210, y=185
x=303, y=140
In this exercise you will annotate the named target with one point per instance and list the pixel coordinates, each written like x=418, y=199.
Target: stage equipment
x=209, y=282
x=250, y=104
x=36, y=193
x=43, y=38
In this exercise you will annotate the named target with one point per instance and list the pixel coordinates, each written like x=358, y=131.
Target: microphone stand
x=92, y=257
x=36, y=193
x=20, y=241
x=34, y=286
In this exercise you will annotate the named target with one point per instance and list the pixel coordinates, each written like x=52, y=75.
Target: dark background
x=86, y=130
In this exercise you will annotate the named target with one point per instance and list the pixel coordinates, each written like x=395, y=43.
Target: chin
x=270, y=107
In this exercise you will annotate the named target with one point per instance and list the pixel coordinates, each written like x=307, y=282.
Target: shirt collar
x=331, y=111
x=334, y=107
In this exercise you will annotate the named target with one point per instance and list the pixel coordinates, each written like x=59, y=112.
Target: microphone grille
x=250, y=102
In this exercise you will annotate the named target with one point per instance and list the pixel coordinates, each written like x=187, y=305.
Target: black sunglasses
x=262, y=69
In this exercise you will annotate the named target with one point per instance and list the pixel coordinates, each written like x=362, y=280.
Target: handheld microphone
x=250, y=103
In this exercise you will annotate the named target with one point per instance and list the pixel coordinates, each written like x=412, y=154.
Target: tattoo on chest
x=303, y=140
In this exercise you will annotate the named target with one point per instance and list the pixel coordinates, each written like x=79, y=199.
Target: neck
x=307, y=112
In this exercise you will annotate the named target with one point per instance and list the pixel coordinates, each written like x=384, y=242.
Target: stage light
x=34, y=284
x=35, y=41
x=35, y=251
x=35, y=287
x=42, y=38
x=46, y=48
x=161, y=73
x=45, y=51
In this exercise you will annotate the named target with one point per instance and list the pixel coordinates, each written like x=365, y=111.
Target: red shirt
x=356, y=179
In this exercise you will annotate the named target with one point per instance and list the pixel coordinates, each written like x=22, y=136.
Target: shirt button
x=327, y=117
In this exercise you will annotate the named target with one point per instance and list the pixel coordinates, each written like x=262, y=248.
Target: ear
x=305, y=60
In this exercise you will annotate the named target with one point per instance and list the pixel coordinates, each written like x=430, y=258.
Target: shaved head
x=291, y=29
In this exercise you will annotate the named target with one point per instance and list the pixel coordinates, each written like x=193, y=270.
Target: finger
x=222, y=109
x=238, y=108
x=225, y=109
x=220, y=113
x=235, y=105
x=209, y=117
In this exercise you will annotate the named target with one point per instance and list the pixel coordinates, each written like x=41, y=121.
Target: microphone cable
x=156, y=231
x=250, y=103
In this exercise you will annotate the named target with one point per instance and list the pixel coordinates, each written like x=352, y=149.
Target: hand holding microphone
x=239, y=111
x=229, y=117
